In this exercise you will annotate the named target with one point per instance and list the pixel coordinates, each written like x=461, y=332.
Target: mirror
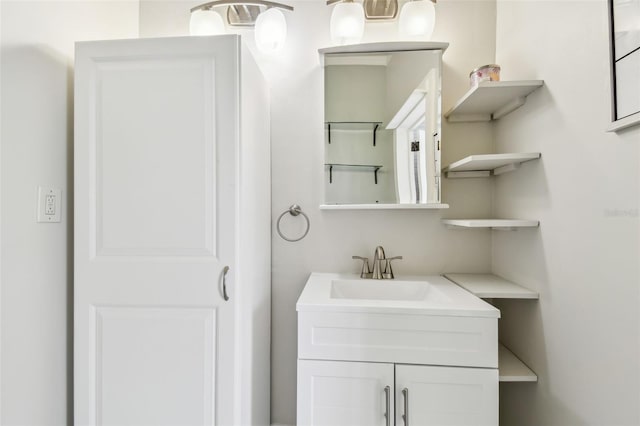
x=382, y=127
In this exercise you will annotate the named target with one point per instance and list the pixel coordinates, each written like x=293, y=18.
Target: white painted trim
x=624, y=123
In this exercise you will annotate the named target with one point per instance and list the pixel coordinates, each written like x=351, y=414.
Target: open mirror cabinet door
x=383, y=114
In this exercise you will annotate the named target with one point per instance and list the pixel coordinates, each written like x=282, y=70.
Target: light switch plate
x=49, y=204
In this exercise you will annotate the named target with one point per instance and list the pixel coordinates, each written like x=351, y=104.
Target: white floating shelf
x=427, y=206
x=491, y=100
x=488, y=164
x=489, y=286
x=505, y=224
x=511, y=369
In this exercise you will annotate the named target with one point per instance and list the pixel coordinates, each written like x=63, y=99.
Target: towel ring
x=293, y=210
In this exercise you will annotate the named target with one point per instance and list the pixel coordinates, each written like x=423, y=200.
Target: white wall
x=582, y=337
x=297, y=110
x=37, y=149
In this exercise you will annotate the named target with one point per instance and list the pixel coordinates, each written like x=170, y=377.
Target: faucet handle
x=388, y=272
x=394, y=258
x=365, y=266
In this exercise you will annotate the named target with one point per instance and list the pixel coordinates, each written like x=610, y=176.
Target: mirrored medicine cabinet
x=382, y=129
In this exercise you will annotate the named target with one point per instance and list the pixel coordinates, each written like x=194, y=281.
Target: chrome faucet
x=381, y=271
x=378, y=257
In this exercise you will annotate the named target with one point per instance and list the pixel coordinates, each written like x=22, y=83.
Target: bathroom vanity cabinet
x=366, y=393
x=418, y=351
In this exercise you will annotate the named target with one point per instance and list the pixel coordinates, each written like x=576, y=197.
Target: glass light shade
x=270, y=30
x=206, y=22
x=347, y=23
x=417, y=18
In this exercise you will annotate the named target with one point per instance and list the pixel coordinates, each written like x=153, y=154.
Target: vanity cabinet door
x=451, y=396
x=344, y=393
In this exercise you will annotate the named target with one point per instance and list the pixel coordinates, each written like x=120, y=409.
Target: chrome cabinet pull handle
x=405, y=416
x=387, y=395
x=224, y=283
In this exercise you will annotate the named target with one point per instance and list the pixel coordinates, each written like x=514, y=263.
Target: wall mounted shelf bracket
x=371, y=166
x=352, y=124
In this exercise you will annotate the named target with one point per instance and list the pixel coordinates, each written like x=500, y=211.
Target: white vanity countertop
x=442, y=297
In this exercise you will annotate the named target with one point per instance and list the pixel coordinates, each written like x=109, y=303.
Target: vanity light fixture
x=206, y=22
x=347, y=22
x=266, y=16
x=271, y=30
x=418, y=18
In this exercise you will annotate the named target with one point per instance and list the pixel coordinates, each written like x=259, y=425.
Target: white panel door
x=332, y=393
x=446, y=396
x=155, y=166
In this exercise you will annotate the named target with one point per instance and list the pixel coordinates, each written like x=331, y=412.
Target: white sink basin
x=379, y=289
x=433, y=295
